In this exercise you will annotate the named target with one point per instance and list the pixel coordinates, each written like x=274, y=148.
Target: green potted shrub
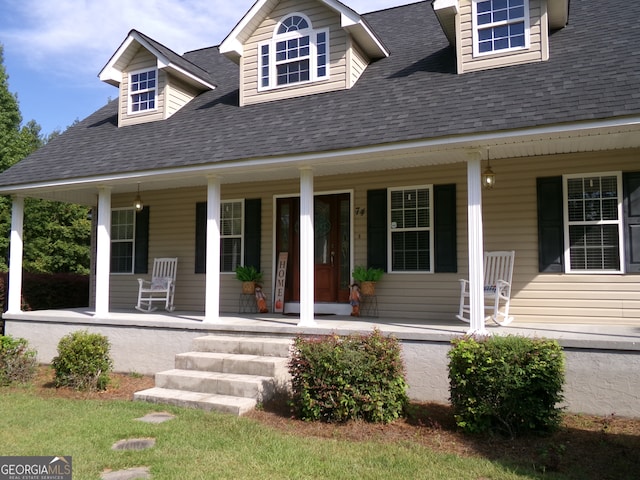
x=367, y=278
x=249, y=276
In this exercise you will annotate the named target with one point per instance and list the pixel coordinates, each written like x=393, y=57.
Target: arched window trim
x=276, y=30
x=317, y=57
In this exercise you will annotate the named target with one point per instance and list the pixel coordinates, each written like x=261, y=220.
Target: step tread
x=215, y=375
x=267, y=346
x=235, y=356
x=211, y=401
x=246, y=339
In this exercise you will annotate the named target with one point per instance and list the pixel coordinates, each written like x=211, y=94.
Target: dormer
x=154, y=82
x=290, y=48
x=497, y=33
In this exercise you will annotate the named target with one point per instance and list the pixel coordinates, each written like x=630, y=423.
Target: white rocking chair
x=161, y=288
x=498, y=271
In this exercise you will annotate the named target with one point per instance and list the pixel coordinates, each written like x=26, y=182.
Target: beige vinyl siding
x=510, y=222
x=357, y=63
x=538, y=48
x=178, y=94
x=510, y=216
x=321, y=17
x=142, y=60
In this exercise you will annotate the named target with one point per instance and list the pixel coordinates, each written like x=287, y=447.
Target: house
x=345, y=139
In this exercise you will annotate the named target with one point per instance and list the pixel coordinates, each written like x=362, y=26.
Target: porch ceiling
x=601, y=136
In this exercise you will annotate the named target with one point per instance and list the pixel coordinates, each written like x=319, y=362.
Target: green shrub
x=336, y=379
x=506, y=384
x=83, y=361
x=17, y=361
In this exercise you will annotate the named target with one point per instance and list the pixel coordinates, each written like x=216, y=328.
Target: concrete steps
x=230, y=374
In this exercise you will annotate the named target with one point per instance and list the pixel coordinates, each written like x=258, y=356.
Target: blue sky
x=54, y=50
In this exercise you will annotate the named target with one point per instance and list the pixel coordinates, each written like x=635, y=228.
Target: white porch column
x=476, y=247
x=15, y=256
x=212, y=289
x=307, y=237
x=103, y=249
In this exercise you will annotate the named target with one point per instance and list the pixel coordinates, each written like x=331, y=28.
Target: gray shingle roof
x=593, y=73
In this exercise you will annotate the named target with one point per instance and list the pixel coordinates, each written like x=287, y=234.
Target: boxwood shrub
x=83, y=361
x=506, y=384
x=17, y=361
x=337, y=378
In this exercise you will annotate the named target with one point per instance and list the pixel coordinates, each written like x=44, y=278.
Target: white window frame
x=145, y=90
x=126, y=240
x=312, y=57
x=619, y=222
x=392, y=228
x=476, y=28
x=224, y=204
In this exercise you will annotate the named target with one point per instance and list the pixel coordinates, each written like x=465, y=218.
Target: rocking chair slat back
x=498, y=266
x=162, y=286
x=498, y=273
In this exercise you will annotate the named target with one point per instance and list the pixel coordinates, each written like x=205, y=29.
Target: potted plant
x=249, y=276
x=367, y=278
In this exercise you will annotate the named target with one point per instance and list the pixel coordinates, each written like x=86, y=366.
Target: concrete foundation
x=602, y=363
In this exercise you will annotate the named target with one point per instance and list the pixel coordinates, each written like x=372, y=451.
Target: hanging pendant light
x=137, y=202
x=488, y=177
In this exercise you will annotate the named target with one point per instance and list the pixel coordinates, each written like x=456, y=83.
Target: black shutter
x=201, y=237
x=377, y=229
x=631, y=208
x=550, y=225
x=252, y=232
x=445, y=241
x=141, y=255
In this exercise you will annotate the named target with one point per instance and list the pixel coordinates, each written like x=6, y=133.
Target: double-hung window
x=411, y=233
x=142, y=90
x=297, y=53
x=123, y=229
x=231, y=233
x=500, y=25
x=593, y=223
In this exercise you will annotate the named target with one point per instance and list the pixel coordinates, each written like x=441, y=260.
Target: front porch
x=602, y=361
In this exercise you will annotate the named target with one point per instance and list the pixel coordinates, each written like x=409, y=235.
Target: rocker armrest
x=160, y=284
x=503, y=287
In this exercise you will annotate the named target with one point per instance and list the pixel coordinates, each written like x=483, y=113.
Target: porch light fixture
x=137, y=202
x=488, y=177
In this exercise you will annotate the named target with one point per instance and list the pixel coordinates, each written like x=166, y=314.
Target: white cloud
x=75, y=38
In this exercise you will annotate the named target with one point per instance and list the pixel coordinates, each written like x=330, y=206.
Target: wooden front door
x=332, y=249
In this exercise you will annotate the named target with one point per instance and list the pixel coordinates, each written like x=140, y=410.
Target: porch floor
x=611, y=336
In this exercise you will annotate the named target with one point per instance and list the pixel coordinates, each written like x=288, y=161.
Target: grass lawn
x=201, y=445
x=42, y=420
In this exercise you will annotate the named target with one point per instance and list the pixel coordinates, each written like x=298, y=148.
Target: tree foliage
x=56, y=235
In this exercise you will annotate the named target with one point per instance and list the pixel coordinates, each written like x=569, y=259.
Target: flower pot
x=368, y=288
x=249, y=288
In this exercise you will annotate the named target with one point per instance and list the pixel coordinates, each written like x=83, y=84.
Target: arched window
x=297, y=53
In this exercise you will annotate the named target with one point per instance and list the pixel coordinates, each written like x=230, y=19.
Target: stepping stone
x=156, y=417
x=134, y=444
x=136, y=473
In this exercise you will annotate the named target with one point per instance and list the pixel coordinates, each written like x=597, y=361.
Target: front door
x=332, y=251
